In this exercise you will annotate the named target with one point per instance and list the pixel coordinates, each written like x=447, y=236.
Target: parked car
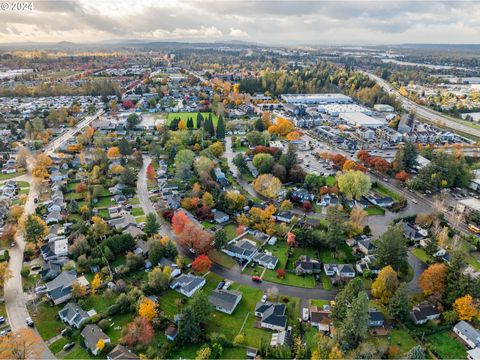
x=256, y=278
x=29, y=321
x=36, y=268
x=227, y=284
x=264, y=298
x=2, y=319
x=68, y=346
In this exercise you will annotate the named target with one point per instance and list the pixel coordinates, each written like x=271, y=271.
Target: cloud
x=237, y=33
x=279, y=22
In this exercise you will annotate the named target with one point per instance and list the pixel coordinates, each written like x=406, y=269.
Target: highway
x=424, y=112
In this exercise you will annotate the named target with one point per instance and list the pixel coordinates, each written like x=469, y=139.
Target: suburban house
x=51, y=269
x=220, y=217
x=121, y=352
x=305, y=265
x=320, y=319
x=266, y=260
x=221, y=178
x=59, y=289
x=225, y=300
x=281, y=338
x=74, y=315
x=243, y=249
x=284, y=216
x=468, y=334
x=361, y=267
x=171, y=332
x=330, y=269
x=273, y=315
x=173, y=267
x=91, y=335
x=412, y=233
x=345, y=271
x=421, y=314
x=366, y=246
x=375, y=318
x=187, y=284
x=383, y=202
x=54, y=249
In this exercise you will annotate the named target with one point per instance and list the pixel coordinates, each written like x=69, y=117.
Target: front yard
x=445, y=345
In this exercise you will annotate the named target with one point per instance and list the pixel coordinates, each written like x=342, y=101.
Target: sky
x=267, y=22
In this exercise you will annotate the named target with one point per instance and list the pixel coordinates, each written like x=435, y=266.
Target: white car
x=227, y=284
x=305, y=314
x=264, y=298
x=414, y=201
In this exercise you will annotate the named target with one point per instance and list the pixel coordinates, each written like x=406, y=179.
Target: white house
x=187, y=284
x=468, y=334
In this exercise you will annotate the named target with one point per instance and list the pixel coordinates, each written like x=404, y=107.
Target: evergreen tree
x=190, y=123
x=392, y=249
x=398, y=306
x=344, y=299
x=220, y=238
x=354, y=328
x=336, y=230
x=124, y=147
x=73, y=207
x=290, y=158
x=208, y=126
x=151, y=224
x=221, y=128
x=259, y=125
x=200, y=120
x=194, y=318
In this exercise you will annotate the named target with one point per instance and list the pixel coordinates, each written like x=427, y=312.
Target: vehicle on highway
x=473, y=228
x=414, y=201
x=257, y=279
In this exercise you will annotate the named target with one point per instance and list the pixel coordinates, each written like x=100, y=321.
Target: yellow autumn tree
x=466, y=308
x=147, y=309
x=96, y=282
x=385, y=284
x=100, y=344
x=113, y=152
x=267, y=185
x=182, y=125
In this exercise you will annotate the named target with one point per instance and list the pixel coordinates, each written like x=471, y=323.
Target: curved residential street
x=13, y=291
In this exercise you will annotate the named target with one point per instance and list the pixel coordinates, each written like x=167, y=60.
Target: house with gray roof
x=421, y=314
x=273, y=315
x=91, y=335
x=243, y=249
x=468, y=334
x=225, y=300
x=266, y=260
x=74, y=315
x=59, y=289
x=187, y=284
x=121, y=352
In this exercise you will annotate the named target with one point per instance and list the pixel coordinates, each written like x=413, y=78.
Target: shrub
x=104, y=324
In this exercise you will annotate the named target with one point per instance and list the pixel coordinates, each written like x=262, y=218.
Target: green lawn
x=185, y=115
x=221, y=259
x=343, y=255
x=303, y=281
x=375, y=210
x=140, y=219
x=137, y=211
x=421, y=254
x=79, y=352
x=401, y=338
x=207, y=224
x=103, y=202
x=326, y=283
x=119, y=320
x=46, y=321
x=230, y=229
x=30, y=280
x=74, y=196
x=100, y=302
x=23, y=191
x=72, y=185
x=386, y=191
x=103, y=213
x=58, y=345
x=234, y=353
x=319, y=302
x=23, y=184
x=134, y=201
x=446, y=346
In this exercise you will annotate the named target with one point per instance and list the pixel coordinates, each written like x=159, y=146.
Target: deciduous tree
x=140, y=331
x=385, y=284
x=147, y=309
x=466, y=308
x=432, y=280
x=179, y=220
x=201, y=264
x=35, y=229
x=353, y=184
x=267, y=185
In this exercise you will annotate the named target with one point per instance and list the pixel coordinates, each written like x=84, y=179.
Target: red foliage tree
x=240, y=230
x=267, y=150
x=338, y=160
x=363, y=155
x=139, y=331
x=168, y=215
x=195, y=238
x=291, y=239
x=179, y=220
x=201, y=264
x=361, y=167
x=127, y=104
x=380, y=164
x=204, y=213
x=80, y=188
x=151, y=176
x=402, y=176
x=281, y=273
x=307, y=206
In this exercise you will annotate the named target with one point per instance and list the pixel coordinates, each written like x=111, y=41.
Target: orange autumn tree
x=291, y=239
x=113, y=152
x=151, y=176
x=147, y=309
x=282, y=127
x=432, y=280
x=466, y=308
x=201, y=264
x=179, y=220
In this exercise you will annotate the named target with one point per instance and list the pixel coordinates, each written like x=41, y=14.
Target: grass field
x=221, y=259
x=375, y=210
x=319, y=302
x=11, y=176
x=230, y=229
x=185, y=115
x=46, y=321
x=421, y=254
x=446, y=346
x=401, y=338
x=58, y=345
x=386, y=191
x=305, y=281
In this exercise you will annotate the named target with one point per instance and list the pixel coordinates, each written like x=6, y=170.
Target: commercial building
x=316, y=99
x=361, y=120
x=338, y=108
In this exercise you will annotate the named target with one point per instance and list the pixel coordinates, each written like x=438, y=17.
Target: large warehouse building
x=361, y=120
x=316, y=99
